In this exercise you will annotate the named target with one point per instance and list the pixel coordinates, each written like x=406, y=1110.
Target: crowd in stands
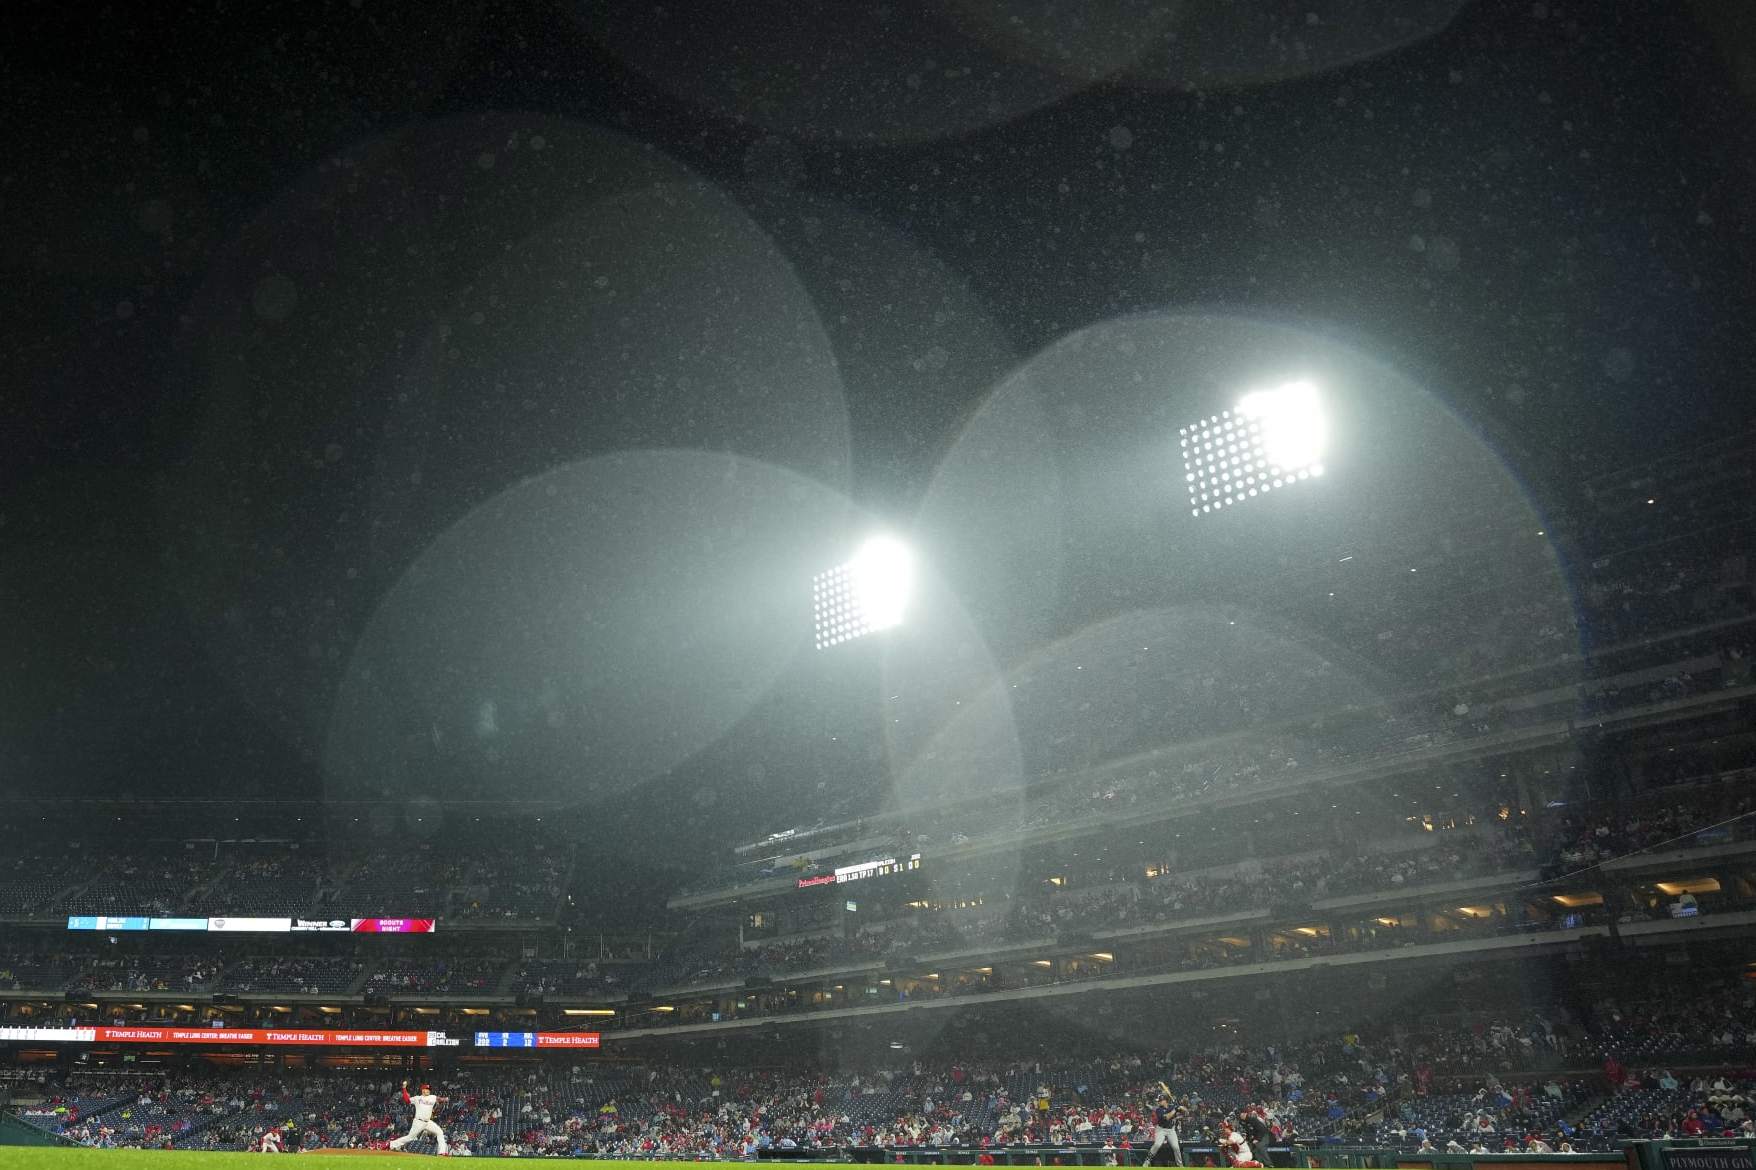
x=144, y=881
x=146, y=973
x=438, y=975
x=531, y=885
x=1457, y=1087
x=1461, y=643
x=175, y=880
x=72, y=1104
x=1113, y=903
x=1706, y=1020
x=48, y=970
x=1364, y=872
x=1655, y=1102
x=167, y=1111
x=562, y=977
x=527, y=883
x=1685, y=818
x=1726, y=810
x=32, y=880
x=1131, y=901
x=397, y=883
x=339, y=1111
x=307, y=975
x=1263, y=761
x=279, y=884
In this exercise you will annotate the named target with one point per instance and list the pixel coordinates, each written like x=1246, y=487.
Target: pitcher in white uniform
x=424, y=1103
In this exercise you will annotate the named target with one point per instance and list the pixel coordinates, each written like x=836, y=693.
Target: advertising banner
x=269, y=1037
x=395, y=925
x=317, y=1037
x=1709, y=1157
x=106, y=922
x=228, y=925
x=251, y=925
x=10, y=1035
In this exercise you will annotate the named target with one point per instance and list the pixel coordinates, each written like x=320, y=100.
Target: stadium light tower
x=1270, y=439
x=867, y=594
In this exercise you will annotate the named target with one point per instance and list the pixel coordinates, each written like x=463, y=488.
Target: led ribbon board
x=234, y=925
x=267, y=1037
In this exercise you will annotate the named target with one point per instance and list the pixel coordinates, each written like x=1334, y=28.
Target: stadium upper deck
x=1665, y=870
x=1205, y=843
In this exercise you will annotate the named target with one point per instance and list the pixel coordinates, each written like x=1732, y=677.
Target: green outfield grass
x=40, y=1158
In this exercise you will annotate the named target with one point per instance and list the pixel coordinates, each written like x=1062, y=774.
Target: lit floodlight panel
x=868, y=594
x=1272, y=439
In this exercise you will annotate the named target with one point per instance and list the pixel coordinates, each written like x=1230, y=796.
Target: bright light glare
x=1274, y=438
x=868, y=594
x=1294, y=432
x=884, y=576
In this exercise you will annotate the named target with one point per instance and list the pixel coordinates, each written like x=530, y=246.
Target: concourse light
x=867, y=594
x=1270, y=439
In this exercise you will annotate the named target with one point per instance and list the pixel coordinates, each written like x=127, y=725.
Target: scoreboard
x=537, y=1039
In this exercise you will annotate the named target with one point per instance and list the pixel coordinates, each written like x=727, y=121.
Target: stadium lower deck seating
x=617, y=1109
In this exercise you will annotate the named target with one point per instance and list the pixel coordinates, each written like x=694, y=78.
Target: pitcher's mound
x=375, y=1153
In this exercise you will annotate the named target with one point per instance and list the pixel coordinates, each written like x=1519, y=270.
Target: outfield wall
x=14, y=1132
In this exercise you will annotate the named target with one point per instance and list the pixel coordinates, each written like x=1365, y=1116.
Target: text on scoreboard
x=537, y=1040
x=862, y=870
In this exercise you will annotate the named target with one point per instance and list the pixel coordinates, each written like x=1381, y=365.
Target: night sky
x=345, y=340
